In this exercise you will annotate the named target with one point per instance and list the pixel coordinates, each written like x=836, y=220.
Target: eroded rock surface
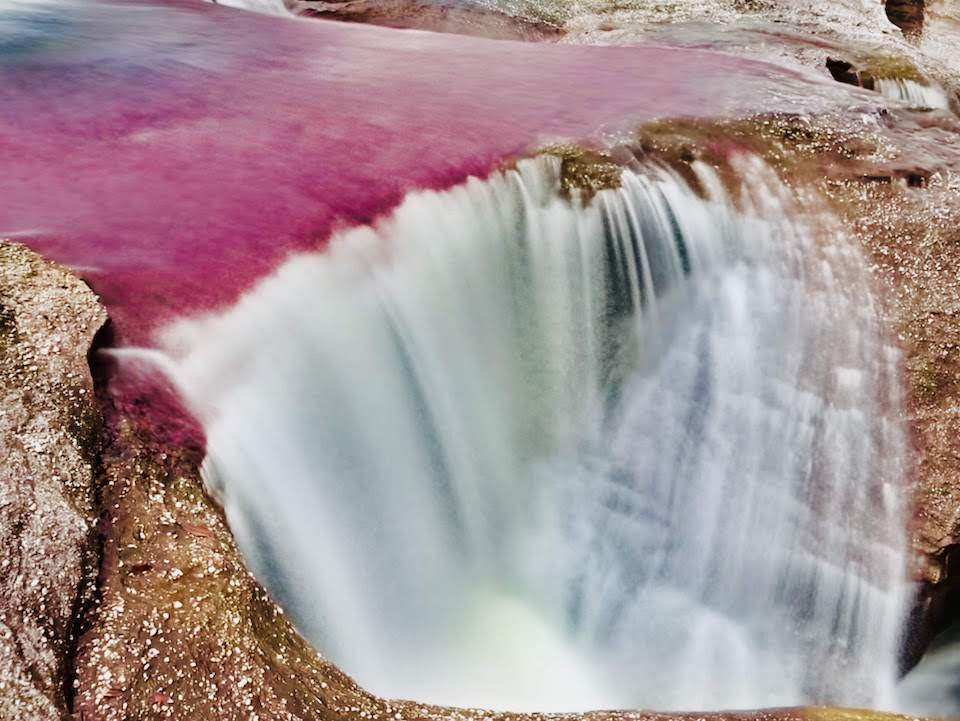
x=48, y=432
x=451, y=16
x=908, y=15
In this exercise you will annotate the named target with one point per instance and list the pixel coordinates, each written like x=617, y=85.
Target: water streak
x=913, y=94
x=507, y=450
x=268, y=7
x=933, y=687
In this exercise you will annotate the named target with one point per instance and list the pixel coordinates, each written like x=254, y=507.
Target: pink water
x=174, y=152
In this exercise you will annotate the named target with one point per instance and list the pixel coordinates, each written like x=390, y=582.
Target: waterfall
x=511, y=450
x=915, y=95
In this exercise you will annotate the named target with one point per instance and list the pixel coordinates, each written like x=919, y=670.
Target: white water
x=269, y=7
x=509, y=451
x=913, y=94
x=933, y=687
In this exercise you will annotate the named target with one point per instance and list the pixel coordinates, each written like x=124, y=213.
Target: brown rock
x=48, y=430
x=908, y=15
x=435, y=15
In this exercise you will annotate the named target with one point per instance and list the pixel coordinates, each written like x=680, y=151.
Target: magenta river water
x=176, y=165
x=643, y=451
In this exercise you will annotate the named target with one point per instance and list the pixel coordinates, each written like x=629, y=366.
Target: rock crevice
x=48, y=451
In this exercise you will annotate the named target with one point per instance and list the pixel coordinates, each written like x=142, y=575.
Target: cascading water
x=513, y=451
x=914, y=94
x=932, y=688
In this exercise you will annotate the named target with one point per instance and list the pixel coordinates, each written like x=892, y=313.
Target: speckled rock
x=48, y=433
x=448, y=16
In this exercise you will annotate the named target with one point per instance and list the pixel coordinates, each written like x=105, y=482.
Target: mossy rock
x=585, y=171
